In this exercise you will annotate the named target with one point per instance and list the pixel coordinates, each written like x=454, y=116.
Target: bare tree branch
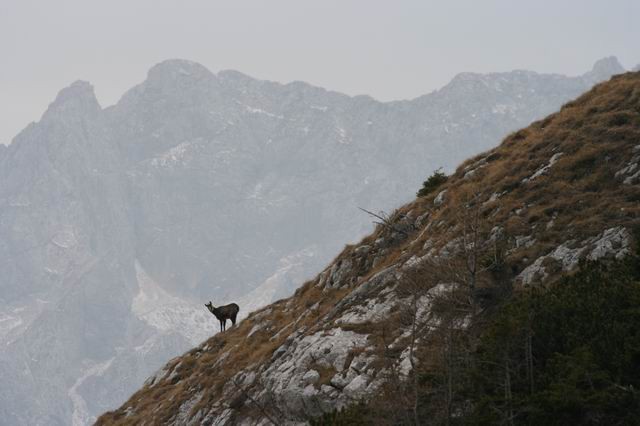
x=385, y=221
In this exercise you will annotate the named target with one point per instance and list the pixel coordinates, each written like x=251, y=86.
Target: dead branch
x=384, y=222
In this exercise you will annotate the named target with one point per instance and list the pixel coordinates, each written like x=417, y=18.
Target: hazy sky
x=391, y=49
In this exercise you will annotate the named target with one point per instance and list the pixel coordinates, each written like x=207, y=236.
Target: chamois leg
x=233, y=320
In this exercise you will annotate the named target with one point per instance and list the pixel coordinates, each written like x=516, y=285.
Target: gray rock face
x=116, y=224
x=289, y=377
x=612, y=243
x=439, y=198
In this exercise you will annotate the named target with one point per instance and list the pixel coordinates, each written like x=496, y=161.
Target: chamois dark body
x=223, y=313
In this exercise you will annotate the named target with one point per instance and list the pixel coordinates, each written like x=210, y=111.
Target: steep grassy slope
x=523, y=214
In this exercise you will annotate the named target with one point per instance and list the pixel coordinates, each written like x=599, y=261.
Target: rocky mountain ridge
x=117, y=223
x=551, y=195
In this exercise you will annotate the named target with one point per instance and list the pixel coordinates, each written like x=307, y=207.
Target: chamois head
x=210, y=306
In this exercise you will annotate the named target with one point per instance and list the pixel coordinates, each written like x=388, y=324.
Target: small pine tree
x=433, y=182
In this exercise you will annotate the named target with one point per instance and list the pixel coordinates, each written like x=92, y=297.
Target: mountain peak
x=78, y=97
x=172, y=69
x=604, y=68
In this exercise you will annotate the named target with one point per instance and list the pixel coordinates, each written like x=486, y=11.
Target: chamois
x=223, y=313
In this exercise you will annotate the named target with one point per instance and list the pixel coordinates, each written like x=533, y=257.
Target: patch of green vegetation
x=432, y=183
x=567, y=355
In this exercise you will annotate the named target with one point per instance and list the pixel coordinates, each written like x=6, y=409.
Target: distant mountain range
x=117, y=224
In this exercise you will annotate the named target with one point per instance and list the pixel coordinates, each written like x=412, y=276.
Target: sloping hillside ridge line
x=559, y=191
